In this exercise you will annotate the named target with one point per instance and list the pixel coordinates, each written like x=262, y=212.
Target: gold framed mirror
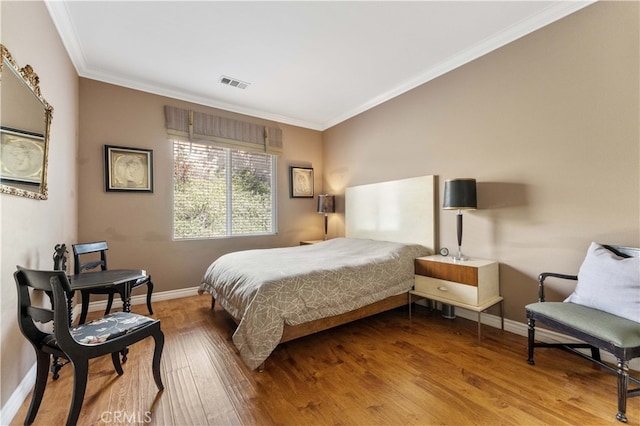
x=25, y=122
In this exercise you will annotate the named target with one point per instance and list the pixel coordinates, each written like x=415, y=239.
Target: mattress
x=267, y=288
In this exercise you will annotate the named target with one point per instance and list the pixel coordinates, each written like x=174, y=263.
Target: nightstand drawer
x=447, y=271
x=472, y=284
x=438, y=288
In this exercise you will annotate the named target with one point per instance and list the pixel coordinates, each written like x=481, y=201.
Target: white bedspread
x=264, y=289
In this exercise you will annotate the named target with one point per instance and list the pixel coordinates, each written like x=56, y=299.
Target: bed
x=279, y=294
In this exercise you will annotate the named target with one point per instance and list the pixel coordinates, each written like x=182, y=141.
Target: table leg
x=125, y=296
x=126, y=307
x=70, y=306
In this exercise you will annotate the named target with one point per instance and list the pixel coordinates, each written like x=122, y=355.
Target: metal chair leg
x=623, y=384
x=532, y=331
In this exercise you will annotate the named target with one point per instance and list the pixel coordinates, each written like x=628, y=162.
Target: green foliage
x=199, y=208
x=200, y=199
x=248, y=181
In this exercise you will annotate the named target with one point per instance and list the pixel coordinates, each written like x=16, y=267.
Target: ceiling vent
x=234, y=82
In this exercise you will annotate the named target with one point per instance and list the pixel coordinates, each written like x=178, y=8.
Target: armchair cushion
x=105, y=328
x=609, y=282
x=108, y=327
x=610, y=328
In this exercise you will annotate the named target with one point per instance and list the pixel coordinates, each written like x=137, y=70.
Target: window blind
x=221, y=192
x=222, y=132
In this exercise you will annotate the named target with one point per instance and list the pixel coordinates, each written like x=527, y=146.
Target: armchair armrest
x=543, y=276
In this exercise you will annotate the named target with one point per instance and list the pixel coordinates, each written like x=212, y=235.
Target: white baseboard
x=542, y=334
x=140, y=299
x=9, y=410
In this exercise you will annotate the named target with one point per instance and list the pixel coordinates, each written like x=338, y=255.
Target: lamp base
x=326, y=228
x=459, y=257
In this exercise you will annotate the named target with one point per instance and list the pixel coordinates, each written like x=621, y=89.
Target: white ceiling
x=310, y=64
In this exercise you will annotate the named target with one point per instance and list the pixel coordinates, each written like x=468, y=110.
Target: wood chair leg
x=109, y=304
x=85, y=306
x=149, y=292
x=80, y=373
x=115, y=357
x=43, y=360
x=157, y=355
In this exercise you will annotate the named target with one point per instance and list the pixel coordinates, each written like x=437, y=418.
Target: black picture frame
x=301, y=182
x=128, y=169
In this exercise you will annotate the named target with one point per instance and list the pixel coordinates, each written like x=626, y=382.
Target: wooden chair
x=101, y=247
x=107, y=335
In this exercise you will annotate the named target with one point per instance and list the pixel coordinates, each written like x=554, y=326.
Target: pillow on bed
x=609, y=282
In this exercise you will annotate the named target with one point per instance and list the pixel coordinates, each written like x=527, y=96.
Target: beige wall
x=30, y=229
x=548, y=125
x=138, y=227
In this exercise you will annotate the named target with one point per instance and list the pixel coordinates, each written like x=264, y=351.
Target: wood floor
x=385, y=370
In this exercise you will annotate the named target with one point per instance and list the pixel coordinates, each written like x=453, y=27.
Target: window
x=222, y=192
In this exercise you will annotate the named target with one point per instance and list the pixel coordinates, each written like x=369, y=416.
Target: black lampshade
x=460, y=194
x=326, y=204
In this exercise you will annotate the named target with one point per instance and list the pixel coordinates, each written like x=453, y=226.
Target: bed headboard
x=401, y=211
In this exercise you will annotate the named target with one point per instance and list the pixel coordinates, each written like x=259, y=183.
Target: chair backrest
x=624, y=251
x=60, y=257
x=28, y=313
x=87, y=249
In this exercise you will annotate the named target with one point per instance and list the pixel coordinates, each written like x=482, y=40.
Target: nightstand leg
x=479, y=328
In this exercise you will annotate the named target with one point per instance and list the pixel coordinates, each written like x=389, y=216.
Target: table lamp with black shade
x=326, y=204
x=460, y=194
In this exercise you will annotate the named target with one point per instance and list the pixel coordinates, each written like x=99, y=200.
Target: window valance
x=221, y=131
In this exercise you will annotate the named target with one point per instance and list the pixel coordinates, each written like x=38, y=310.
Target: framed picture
x=21, y=156
x=301, y=182
x=128, y=169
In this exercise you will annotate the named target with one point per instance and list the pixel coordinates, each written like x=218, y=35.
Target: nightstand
x=471, y=284
x=308, y=242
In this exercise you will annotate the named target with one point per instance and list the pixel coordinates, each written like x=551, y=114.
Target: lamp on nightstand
x=326, y=204
x=460, y=194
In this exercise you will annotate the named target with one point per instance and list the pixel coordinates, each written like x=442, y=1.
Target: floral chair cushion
x=106, y=328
